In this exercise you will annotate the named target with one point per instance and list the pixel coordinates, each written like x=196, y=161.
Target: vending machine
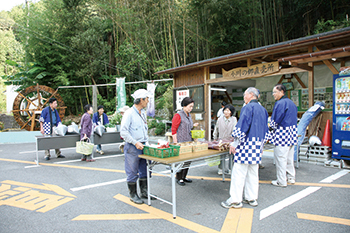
x=341, y=117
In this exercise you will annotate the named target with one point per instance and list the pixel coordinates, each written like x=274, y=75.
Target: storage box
x=200, y=147
x=185, y=147
x=160, y=153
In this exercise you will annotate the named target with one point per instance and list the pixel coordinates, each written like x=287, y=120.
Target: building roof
x=284, y=49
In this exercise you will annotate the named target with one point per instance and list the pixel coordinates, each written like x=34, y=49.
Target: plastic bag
x=99, y=130
x=314, y=140
x=73, y=128
x=60, y=130
x=84, y=148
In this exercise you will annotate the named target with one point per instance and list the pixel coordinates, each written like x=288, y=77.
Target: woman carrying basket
x=181, y=131
x=86, y=129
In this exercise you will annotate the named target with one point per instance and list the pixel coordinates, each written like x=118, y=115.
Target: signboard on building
x=180, y=95
x=259, y=70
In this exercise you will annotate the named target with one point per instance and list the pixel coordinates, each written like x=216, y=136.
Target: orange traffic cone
x=326, y=140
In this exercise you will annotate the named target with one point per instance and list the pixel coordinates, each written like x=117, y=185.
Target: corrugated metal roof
x=228, y=57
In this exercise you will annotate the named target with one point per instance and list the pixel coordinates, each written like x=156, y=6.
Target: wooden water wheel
x=29, y=103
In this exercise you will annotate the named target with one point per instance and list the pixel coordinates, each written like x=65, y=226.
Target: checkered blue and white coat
x=283, y=126
x=251, y=131
x=45, y=118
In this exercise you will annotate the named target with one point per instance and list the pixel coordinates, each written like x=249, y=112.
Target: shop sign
x=180, y=95
x=259, y=70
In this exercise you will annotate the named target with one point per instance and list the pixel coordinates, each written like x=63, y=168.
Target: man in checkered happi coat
x=284, y=135
x=250, y=134
x=50, y=118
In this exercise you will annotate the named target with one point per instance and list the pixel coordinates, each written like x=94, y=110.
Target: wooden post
x=207, y=104
x=311, y=81
x=94, y=98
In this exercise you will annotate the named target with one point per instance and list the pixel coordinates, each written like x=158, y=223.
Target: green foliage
x=329, y=25
x=85, y=42
x=110, y=125
x=67, y=122
x=160, y=129
x=152, y=124
x=116, y=119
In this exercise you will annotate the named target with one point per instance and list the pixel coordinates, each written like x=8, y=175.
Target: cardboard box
x=200, y=147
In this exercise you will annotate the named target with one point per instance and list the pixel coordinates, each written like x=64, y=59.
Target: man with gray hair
x=134, y=132
x=249, y=135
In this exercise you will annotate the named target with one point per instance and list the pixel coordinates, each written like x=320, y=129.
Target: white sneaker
x=253, y=203
x=276, y=183
x=291, y=181
x=219, y=171
x=227, y=204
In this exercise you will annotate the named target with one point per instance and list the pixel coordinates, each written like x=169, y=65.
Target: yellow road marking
x=166, y=216
x=231, y=220
x=48, y=187
x=192, y=177
x=70, y=166
x=321, y=218
x=245, y=220
x=85, y=217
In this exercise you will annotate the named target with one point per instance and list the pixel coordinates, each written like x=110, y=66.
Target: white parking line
x=296, y=197
x=98, y=185
x=118, y=181
x=103, y=157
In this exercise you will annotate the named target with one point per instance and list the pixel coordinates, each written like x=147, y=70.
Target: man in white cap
x=134, y=131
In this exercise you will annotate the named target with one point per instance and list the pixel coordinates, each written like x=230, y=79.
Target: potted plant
x=110, y=127
x=116, y=120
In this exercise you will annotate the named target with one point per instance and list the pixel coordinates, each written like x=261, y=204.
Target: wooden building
x=283, y=62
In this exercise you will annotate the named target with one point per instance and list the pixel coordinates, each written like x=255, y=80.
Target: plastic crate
x=175, y=150
x=159, y=152
x=198, y=133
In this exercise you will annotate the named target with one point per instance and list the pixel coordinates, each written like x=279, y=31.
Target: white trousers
x=244, y=176
x=284, y=157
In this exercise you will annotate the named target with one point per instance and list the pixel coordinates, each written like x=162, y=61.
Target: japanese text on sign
x=252, y=71
x=180, y=95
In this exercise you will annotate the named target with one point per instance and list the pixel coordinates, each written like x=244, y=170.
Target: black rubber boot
x=179, y=175
x=143, y=187
x=133, y=193
x=184, y=174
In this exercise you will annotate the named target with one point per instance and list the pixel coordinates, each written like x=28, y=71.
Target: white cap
x=141, y=93
x=123, y=109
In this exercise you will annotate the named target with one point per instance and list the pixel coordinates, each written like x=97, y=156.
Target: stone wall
x=9, y=121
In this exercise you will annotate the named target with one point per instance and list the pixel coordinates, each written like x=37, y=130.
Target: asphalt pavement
x=68, y=195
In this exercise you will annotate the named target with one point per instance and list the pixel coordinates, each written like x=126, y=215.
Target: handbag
x=84, y=148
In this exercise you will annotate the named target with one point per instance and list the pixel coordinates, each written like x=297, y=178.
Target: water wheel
x=29, y=103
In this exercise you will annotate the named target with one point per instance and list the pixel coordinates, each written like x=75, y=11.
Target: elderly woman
x=224, y=127
x=181, y=131
x=86, y=129
x=100, y=118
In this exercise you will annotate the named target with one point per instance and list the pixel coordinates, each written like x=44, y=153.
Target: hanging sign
x=180, y=95
x=151, y=87
x=259, y=70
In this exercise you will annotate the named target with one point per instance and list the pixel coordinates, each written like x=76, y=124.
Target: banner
x=151, y=110
x=121, y=95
